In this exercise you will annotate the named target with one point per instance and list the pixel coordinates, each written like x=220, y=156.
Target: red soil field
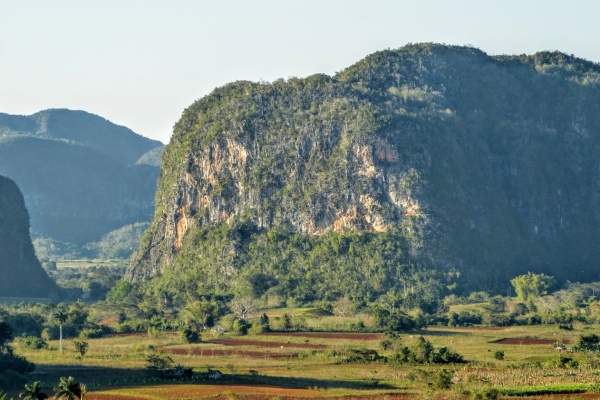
x=219, y=353
x=528, y=341
x=467, y=328
x=327, y=335
x=270, y=345
x=98, y=396
x=248, y=392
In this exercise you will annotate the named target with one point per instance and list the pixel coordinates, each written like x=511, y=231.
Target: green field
x=316, y=365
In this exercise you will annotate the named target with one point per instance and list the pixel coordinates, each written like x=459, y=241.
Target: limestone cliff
x=488, y=165
x=21, y=274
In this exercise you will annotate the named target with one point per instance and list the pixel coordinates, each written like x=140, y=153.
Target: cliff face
x=21, y=274
x=484, y=164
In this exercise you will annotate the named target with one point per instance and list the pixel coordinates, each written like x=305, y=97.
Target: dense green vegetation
x=279, y=265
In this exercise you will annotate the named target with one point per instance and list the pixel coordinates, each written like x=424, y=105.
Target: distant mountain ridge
x=78, y=173
x=82, y=127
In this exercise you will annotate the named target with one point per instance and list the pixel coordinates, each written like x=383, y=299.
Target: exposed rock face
x=21, y=274
x=486, y=164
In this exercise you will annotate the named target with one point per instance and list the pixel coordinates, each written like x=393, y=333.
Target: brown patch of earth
x=248, y=392
x=328, y=335
x=467, y=328
x=563, y=396
x=221, y=353
x=528, y=341
x=270, y=345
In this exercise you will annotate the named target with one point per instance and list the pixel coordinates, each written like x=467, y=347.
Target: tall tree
x=61, y=317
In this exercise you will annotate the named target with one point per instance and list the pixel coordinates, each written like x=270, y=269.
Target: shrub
x=589, y=342
x=423, y=352
x=94, y=333
x=50, y=333
x=443, y=379
x=240, y=327
x=32, y=342
x=499, y=355
x=189, y=335
x=487, y=394
x=81, y=347
x=157, y=363
x=361, y=356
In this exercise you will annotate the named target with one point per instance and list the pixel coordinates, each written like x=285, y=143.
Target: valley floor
x=297, y=365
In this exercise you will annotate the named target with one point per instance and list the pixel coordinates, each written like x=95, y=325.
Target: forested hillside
x=430, y=168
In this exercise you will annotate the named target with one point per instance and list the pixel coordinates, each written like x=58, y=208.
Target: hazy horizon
x=140, y=64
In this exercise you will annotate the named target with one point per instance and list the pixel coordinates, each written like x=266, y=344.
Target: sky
x=140, y=63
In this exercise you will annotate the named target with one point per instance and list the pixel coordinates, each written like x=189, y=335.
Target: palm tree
x=68, y=389
x=33, y=392
x=61, y=317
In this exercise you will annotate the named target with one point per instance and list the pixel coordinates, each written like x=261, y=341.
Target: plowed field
x=327, y=335
x=270, y=345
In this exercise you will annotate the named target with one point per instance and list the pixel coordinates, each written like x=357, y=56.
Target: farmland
x=294, y=365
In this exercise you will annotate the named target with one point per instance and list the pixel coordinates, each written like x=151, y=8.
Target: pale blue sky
x=139, y=63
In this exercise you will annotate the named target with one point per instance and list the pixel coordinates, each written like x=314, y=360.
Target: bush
x=487, y=394
x=189, y=335
x=588, y=343
x=499, y=355
x=157, y=363
x=32, y=342
x=50, y=333
x=81, y=347
x=423, y=352
x=362, y=356
x=565, y=327
x=443, y=379
x=94, y=333
x=240, y=327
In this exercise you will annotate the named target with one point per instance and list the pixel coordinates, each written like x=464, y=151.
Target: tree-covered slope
x=426, y=157
x=89, y=130
x=73, y=193
x=21, y=274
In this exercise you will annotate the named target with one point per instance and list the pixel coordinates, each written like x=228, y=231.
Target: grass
x=115, y=365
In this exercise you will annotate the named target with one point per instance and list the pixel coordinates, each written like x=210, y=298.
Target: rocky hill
x=427, y=163
x=21, y=274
